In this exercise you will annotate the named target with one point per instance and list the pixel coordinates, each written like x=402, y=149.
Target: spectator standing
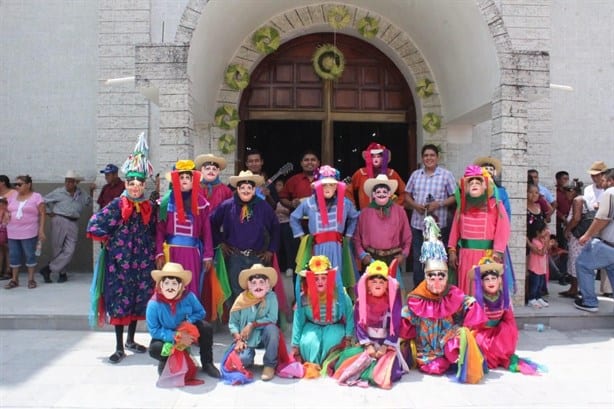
x=4, y=240
x=6, y=191
x=430, y=190
x=113, y=188
x=64, y=206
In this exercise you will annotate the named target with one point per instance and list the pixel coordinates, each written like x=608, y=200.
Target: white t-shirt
x=606, y=212
x=592, y=194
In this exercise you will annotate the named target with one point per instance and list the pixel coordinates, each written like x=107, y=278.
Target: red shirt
x=110, y=192
x=563, y=204
x=297, y=187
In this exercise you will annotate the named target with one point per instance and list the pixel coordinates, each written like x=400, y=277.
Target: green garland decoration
x=227, y=143
x=227, y=117
x=338, y=17
x=236, y=77
x=328, y=62
x=368, y=26
x=425, y=88
x=266, y=40
x=431, y=122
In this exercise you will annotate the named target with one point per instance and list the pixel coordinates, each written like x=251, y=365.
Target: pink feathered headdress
x=323, y=175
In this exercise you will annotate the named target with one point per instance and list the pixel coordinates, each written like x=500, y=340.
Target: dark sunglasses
x=439, y=274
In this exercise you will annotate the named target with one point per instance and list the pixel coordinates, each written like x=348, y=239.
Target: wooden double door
x=288, y=109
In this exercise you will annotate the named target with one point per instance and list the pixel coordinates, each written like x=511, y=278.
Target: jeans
x=20, y=249
x=417, y=239
x=536, y=282
x=235, y=263
x=595, y=255
x=205, y=342
x=270, y=343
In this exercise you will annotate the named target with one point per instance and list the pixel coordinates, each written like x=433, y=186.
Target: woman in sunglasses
x=439, y=318
x=25, y=228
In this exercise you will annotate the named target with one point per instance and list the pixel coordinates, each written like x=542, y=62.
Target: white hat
x=380, y=179
x=246, y=175
x=71, y=174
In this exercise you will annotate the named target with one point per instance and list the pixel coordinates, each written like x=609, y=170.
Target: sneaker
x=543, y=302
x=581, y=306
x=268, y=373
x=289, y=272
x=534, y=303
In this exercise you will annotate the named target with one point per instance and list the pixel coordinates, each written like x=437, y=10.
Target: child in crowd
x=4, y=251
x=537, y=262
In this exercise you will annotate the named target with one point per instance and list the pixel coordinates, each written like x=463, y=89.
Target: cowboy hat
x=489, y=160
x=597, y=168
x=246, y=175
x=71, y=174
x=209, y=157
x=257, y=269
x=380, y=179
x=172, y=270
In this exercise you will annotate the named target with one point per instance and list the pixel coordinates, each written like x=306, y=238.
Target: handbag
x=585, y=221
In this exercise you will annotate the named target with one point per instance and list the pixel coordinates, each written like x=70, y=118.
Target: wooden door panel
x=309, y=98
x=346, y=99
x=283, y=98
x=370, y=100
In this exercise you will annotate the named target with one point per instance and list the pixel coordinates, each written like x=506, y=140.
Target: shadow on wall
x=82, y=260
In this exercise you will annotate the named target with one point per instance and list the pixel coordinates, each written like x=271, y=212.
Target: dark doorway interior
x=281, y=142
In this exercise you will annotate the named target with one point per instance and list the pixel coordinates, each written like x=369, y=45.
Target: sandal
x=12, y=284
x=31, y=284
x=117, y=357
x=134, y=347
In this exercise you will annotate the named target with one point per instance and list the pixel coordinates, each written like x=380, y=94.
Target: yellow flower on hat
x=319, y=264
x=377, y=268
x=184, y=165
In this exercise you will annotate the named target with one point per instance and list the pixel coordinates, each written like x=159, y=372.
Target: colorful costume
x=214, y=191
x=378, y=321
x=321, y=320
x=480, y=226
x=329, y=220
x=184, y=232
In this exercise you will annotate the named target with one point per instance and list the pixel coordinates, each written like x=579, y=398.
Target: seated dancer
x=323, y=317
x=498, y=337
x=171, y=306
x=440, y=318
x=253, y=320
x=377, y=315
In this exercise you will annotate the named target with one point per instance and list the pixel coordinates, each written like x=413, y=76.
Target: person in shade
x=183, y=233
x=377, y=157
x=383, y=231
x=253, y=318
x=323, y=317
x=212, y=187
x=170, y=306
x=246, y=229
x=126, y=228
x=113, y=188
x=480, y=227
x=439, y=318
x=377, y=316
x=498, y=337
x=331, y=216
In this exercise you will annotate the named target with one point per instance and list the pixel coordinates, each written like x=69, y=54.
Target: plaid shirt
x=440, y=185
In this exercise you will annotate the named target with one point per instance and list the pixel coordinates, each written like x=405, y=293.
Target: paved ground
x=51, y=367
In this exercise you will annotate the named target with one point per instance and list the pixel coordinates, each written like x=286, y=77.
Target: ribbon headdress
x=324, y=175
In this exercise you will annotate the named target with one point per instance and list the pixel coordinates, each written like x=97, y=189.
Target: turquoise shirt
x=264, y=312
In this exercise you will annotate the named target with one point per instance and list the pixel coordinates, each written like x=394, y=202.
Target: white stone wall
x=48, y=83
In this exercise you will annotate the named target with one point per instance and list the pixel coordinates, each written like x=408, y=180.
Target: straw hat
x=172, y=270
x=181, y=166
x=257, y=269
x=71, y=174
x=597, y=168
x=487, y=265
x=246, y=175
x=489, y=160
x=379, y=180
x=209, y=157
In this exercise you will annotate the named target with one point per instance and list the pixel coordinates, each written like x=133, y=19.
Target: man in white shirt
x=598, y=251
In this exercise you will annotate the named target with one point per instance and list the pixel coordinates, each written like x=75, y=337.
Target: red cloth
x=358, y=181
x=498, y=343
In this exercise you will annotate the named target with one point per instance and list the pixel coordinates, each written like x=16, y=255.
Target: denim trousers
x=536, y=282
x=269, y=340
x=595, y=255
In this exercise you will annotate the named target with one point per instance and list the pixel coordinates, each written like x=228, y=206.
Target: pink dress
x=475, y=231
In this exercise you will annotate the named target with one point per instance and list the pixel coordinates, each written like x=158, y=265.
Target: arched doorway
x=287, y=108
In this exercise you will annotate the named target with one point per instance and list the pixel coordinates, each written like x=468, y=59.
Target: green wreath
x=266, y=40
x=236, y=77
x=431, y=122
x=227, y=117
x=368, y=26
x=227, y=143
x=328, y=62
x=425, y=88
x=338, y=17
